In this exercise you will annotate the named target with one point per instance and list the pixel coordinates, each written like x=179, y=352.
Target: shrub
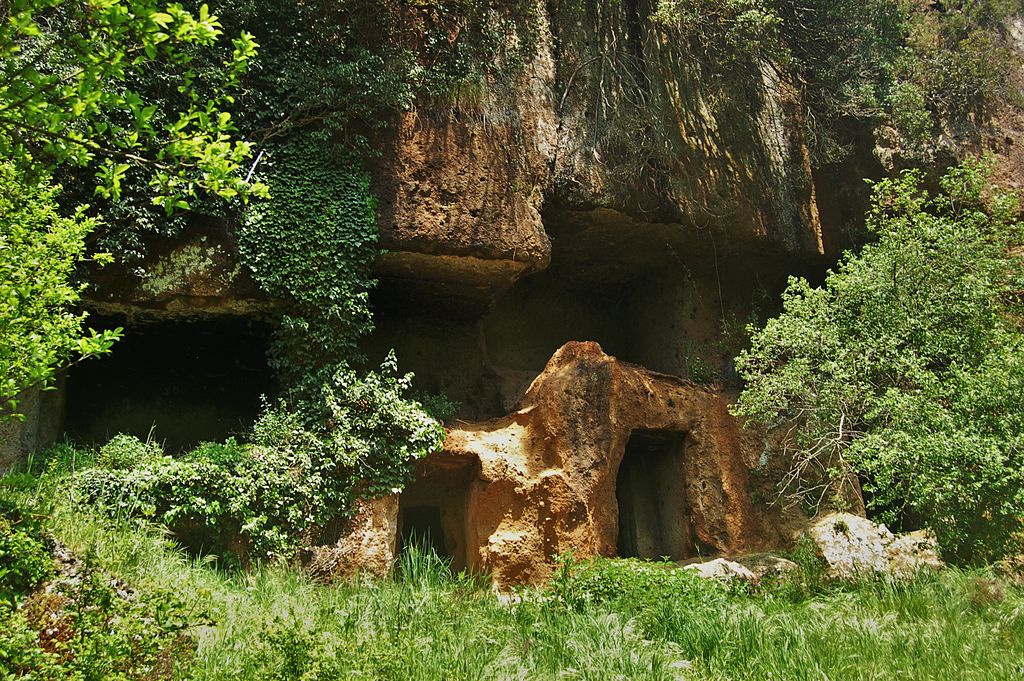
x=94, y=627
x=906, y=366
x=910, y=114
x=640, y=584
x=20, y=652
x=124, y=452
x=26, y=555
x=302, y=469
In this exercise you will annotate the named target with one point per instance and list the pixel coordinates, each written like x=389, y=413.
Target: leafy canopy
x=907, y=366
x=69, y=71
x=915, y=68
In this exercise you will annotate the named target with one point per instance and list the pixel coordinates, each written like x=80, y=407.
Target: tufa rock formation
x=601, y=458
x=619, y=190
x=854, y=547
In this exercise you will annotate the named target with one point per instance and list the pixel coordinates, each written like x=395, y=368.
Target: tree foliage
x=907, y=365
x=69, y=71
x=40, y=246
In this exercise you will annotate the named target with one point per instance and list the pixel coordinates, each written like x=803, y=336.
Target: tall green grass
x=603, y=620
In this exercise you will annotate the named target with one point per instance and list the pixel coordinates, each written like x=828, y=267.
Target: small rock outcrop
x=195, y=276
x=854, y=547
x=723, y=569
x=365, y=544
x=602, y=458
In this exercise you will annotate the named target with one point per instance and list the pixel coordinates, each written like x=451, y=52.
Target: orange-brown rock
x=601, y=458
x=458, y=205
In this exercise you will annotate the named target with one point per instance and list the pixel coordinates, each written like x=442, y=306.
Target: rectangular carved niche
x=654, y=513
x=432, y=510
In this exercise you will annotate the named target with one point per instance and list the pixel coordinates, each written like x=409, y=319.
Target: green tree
x=39, y=249
x=907, y=365
x=68, y=70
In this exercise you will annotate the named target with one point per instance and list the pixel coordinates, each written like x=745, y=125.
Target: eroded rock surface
x=365, y=544
x=196, y=276
x=601, y=458
x=458, y=206
x=722, y=569
x=613, y=120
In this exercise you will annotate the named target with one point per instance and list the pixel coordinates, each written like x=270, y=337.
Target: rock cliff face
x=613, y=124
x=616, y=192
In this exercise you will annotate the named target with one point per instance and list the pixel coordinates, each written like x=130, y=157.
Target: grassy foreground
x=601, y=620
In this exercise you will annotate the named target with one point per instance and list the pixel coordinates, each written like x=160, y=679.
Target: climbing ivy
x=313, y=247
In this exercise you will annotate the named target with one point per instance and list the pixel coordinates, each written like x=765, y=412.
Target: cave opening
x=180, y=382
x=432, y=511
x=654, y=512
x=421, y=525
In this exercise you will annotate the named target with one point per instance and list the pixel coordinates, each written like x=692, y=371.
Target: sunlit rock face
x=599, y=458
x=853, y=547
x=615, y=122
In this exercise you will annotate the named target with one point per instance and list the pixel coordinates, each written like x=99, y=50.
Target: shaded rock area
x=178, y=381
x=42, y=426
x=657, y=295
x=196, y=276
x=854, y=547
x=602, y=458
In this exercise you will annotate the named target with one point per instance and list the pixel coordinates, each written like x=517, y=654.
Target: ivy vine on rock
x=313, y=246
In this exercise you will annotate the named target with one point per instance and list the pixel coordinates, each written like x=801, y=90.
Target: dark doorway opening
x=421, y=525
x=654, y=513
x=189, y=381
x=432, y=510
